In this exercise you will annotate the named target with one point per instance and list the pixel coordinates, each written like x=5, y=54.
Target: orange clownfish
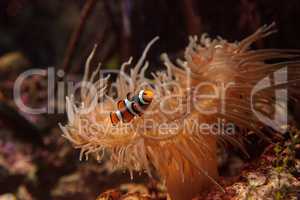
x=130, y=107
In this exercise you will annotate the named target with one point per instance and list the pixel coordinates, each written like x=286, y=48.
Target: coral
x=273, y=185
x=167, y=137
x=136, y=191
x=15, y=160
x=21, y=194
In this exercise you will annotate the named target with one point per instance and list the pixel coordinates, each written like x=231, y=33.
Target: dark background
x=41, y=29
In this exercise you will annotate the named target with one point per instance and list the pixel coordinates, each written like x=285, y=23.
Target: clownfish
x=131, y=106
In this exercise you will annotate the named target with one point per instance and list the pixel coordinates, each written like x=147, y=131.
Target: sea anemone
x=168, y=137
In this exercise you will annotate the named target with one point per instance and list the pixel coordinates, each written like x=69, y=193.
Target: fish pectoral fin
x=127, y=117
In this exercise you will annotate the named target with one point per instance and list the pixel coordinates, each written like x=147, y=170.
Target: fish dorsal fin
x=121, y=105
x=129, y=95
